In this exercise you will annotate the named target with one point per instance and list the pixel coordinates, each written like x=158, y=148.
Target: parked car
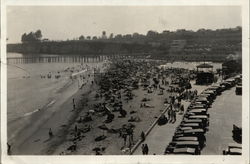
x=233, y=149
x=238, y=90
x=185, y=151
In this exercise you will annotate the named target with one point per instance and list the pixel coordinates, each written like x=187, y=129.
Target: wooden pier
x=61, y=59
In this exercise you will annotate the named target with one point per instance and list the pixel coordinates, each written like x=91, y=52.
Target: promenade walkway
x=160, y=136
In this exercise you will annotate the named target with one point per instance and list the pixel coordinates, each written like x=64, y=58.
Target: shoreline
x=32, y=135
x=38, y=119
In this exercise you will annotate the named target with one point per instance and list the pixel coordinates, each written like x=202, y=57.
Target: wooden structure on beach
x=62, y=59
x=205, y=74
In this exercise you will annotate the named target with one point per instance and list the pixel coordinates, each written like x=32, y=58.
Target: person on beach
x=124, y=136
x=170, y=116
x=50, y=133
x=9, y=149
x=130, y=132
x=182, y=108
x=76, y=129
x=173, y=116
x=142, y=136
x=146, y=149
x=143, y=149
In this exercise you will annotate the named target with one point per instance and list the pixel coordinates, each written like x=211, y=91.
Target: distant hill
x=214, y=45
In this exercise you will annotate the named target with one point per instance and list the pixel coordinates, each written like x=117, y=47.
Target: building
x=205, y=74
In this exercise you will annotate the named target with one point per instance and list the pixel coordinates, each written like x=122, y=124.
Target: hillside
x=178, y=45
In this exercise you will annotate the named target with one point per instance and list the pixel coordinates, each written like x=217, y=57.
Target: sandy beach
x=52, y=108
x=113, y=144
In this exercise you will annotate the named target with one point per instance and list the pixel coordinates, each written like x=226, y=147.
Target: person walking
x=173, y=116
x=146, y=149
x=9, y=148
x=76, y=129
x=182, y=108
x=142, y=136
x=169, y=114
x=143, y=149
x=50, y=133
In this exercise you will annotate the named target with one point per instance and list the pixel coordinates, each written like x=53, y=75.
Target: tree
x=38, y=35
x=94, y=38
x=88, y=37
x=81, y=37
x=152, y=33
x=165, y=32
x=24, y=36
x=104, y=35
x=111, y=36
x=136, y=35
x=32, y=37
x=118, y=37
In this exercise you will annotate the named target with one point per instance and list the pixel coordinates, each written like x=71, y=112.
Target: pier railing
x=65, y=59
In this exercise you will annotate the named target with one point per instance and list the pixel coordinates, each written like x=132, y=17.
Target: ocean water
x=191, y=65
x=28, y=93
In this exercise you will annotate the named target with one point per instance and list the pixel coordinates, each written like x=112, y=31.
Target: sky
x=68, y=22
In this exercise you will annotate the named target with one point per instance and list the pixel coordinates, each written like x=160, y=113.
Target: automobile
x=201, y=106
x=238, y=79
x=199, y=111
x=209, y=96
x=189, y=138
x=197, y=105
x=203, y=100
x=231, y=81
x=185, y=151
x=218, y=87
x=226, y=85
x=234, y=145
x=237, y=134
x=190, y=125
x=212, y=90
x=202, y=117
x=233, y=149
x=212, y=93
x=169, y=149
x=201, y=123
x=188, y=132
x=238, y=90
x=201, y=137
x=194, y=131
x=187, y=144
x=181, y=128
x=188, y=114
x=185, y=138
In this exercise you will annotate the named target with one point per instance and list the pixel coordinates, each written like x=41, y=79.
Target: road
x=226, y=111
